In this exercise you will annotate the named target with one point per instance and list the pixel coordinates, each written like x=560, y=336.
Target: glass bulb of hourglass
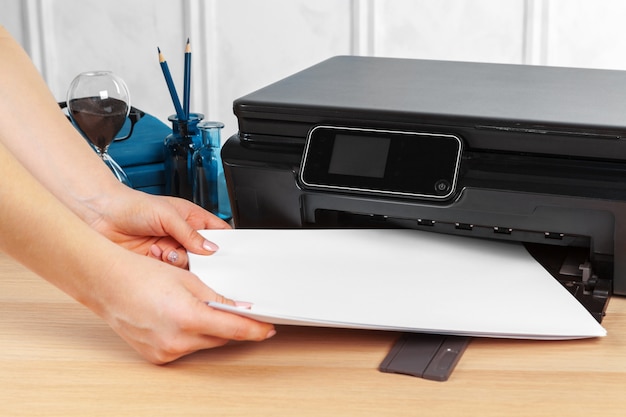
x=98, y=103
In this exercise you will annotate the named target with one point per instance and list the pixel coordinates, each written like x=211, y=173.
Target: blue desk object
x=141, y=156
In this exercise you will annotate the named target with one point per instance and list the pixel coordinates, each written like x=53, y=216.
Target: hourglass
x=98, y=103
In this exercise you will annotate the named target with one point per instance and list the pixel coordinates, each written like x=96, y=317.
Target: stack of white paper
x=392, y=280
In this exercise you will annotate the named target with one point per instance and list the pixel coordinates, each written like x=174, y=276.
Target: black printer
x=512, y=152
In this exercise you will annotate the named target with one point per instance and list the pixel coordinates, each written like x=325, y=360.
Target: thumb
x=205, y=293
x=189, y=237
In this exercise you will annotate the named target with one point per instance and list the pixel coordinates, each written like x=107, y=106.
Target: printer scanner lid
x=573, y=104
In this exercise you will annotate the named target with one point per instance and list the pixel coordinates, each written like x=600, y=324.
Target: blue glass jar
x=180, y=145
x=210, y=190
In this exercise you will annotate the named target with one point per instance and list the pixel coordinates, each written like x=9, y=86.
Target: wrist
x=90, y=203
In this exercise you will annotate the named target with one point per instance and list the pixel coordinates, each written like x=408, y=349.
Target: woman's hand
x=157, y=226
x=163, y=313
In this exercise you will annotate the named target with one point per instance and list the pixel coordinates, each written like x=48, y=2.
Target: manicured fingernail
x=271, y=333
x=210, y=246
x=156, y=251
x=243, y=304
x=172, y=256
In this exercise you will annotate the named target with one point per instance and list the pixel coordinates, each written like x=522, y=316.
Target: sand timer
x=98, y=103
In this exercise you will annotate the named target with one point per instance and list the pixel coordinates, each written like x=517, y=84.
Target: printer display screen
x=379, y=161
x=364, y=156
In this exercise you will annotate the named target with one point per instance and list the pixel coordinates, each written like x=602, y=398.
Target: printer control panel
x=381, y=162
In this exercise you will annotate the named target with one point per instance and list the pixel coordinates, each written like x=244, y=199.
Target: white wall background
x=242, y=45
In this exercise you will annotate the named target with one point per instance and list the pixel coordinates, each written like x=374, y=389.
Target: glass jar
x=180, y=145
x=210, y=190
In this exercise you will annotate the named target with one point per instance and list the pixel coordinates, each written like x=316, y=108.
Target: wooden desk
x=59, y=359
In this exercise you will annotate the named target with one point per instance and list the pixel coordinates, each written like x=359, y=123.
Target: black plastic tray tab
x=428, y=356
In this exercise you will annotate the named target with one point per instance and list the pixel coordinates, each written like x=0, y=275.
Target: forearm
x=37, y=133
x=38, y=231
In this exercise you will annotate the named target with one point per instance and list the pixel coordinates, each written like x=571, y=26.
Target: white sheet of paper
x=391, y=280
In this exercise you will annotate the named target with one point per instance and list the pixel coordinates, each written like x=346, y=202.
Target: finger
x=189, y=237
x=216, y=323
x=155, y=251
x=204, y=293
x=170, y=252
x=224, y=325
x=213, y=222
x=175, y=348
x=184, y=228
x=195, y=344
x=197, y=217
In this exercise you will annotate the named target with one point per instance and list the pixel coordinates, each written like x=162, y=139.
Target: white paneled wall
x=476, y=30
x=242, y=45
x=586, y=33
x=258, y=42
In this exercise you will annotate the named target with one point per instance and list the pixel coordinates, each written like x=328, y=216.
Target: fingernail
x=243, y=304
x=172, y=256
x=156, y=251
x=271, y=333
x=210, y=246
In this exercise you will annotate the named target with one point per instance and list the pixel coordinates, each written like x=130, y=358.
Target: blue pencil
x=187, y=86
x=170, y=86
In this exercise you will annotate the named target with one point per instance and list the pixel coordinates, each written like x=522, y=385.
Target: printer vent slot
x=425, y=222
x=552, y=235
x=463, y=226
